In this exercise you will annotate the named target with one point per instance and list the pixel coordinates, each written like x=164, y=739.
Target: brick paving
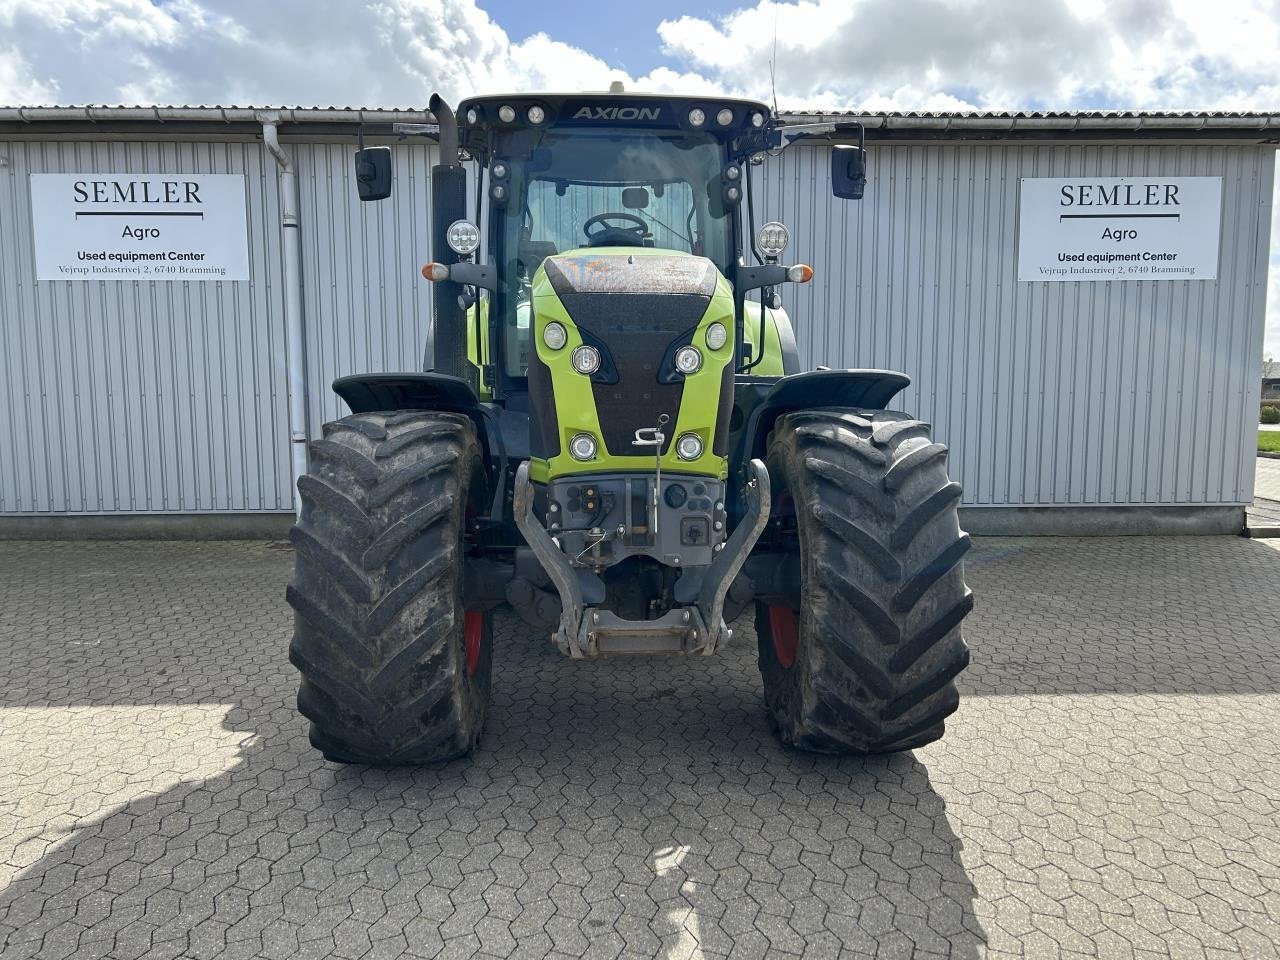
x=1108, y=788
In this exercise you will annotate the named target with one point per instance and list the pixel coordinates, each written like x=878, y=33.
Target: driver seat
x=533, y=252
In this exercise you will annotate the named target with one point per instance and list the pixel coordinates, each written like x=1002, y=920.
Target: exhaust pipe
x=448, y=124
x=448, y=343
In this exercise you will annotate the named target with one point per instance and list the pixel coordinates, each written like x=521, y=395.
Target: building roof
x=880, y=125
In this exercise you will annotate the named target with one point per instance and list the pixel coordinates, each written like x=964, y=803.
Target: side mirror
x=848, y=172
x=373, y=173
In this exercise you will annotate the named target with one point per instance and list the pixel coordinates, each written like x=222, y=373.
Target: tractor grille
x=635, y=306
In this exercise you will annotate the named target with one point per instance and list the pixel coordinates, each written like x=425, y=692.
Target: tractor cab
x=563, y=176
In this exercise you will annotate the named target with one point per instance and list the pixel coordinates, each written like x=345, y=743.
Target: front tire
x=395, y=667
x=867, y=661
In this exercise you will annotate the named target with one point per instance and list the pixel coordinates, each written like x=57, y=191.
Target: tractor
x=613, y=436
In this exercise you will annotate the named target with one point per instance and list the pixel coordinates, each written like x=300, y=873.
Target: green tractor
x=615, y=439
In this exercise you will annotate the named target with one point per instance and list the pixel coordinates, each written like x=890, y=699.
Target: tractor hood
x=637, y=307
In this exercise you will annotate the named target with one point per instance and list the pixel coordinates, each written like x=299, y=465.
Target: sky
x=871, y=54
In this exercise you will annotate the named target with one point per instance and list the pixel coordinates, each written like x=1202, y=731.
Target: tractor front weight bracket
x=587, y=632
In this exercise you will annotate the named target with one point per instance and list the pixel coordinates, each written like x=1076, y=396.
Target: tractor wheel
x=867, y=662
x=395, y=667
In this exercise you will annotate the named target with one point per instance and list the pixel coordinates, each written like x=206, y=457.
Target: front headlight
x=586, y=360
x=688, y=360
x=583, y=447
x=554, y=335
x=717, y=336
x=689, y=446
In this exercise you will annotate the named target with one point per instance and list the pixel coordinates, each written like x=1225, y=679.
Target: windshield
x=603, y=188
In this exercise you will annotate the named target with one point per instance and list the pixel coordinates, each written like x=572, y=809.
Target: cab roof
x=725, y=115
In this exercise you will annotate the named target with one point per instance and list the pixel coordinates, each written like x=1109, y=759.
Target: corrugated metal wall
x=1134, y=392
x=170, y=397
x=134, y=396
x=366, y=306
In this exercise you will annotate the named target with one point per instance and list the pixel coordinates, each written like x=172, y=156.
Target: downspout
x=295, y=362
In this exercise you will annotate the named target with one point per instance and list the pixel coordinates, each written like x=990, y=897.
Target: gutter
x=295, y=359
x=1267, y=123
x=211, y=115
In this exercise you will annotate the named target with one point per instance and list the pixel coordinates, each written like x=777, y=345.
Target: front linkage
x=586, y=630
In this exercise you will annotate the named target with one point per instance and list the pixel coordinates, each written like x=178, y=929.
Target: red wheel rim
x=786, y=634
x=473, y=634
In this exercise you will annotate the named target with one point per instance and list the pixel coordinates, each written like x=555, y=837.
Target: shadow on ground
x=159, y=798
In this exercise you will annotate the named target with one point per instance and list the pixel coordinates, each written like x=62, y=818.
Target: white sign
x=110, y=226
x=1119, y=228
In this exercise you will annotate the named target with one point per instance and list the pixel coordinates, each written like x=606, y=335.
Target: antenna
x=773, y=61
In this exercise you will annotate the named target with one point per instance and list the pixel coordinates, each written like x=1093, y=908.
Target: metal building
x=133, y=406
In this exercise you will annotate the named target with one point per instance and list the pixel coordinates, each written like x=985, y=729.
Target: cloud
x=870, y=54
x=994, y=54
x=17, y=82
x=286, y=52
x=913, y=54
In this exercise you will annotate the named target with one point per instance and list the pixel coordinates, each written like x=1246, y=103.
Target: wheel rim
x=473, y=635
x=786, y=634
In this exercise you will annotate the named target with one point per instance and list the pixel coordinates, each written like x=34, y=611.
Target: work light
x=507, y=113
x=463, y=237
x=689, y=446
x=724, y=117
x=585, y=359
x=536, y=114
x=583, y=447
x=696, y=117
x=473, y=116
x=757, y=119
x=688, y=360
x=717, y=336
x=773, y=238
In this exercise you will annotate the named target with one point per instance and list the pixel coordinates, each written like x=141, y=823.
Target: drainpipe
x=295, y=369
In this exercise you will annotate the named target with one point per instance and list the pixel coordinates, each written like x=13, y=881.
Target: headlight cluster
x=586, y=360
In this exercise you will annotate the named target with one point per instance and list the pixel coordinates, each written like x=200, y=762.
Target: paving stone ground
x=1108, y=789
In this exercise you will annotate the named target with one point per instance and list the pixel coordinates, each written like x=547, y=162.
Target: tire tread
x=882, y=590
x=376, y=590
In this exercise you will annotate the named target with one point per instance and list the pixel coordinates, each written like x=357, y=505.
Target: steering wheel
x=613, y=236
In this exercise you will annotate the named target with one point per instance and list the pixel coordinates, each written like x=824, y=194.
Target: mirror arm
x=764, y=275
x=483, y=275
